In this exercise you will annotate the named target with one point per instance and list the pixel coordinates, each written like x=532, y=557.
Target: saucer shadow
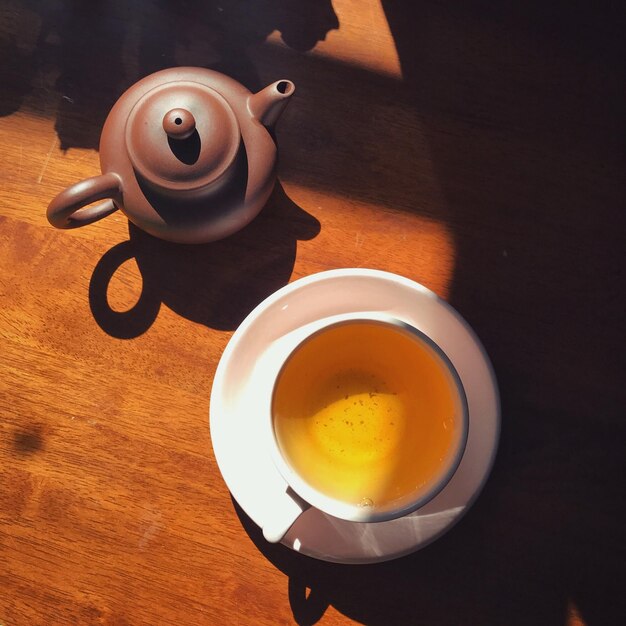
x=381, y=593
x=215, y=284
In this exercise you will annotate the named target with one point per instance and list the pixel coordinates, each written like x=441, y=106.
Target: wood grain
x=479, y=152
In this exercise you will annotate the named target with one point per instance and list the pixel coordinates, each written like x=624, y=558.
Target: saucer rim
x=389, y=277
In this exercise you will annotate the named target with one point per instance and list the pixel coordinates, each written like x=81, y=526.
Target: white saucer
x=236, y=431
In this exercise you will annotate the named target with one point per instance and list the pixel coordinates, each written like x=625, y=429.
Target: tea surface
x=366, y=413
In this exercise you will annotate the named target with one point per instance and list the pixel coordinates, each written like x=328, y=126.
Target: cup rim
x=345, y=510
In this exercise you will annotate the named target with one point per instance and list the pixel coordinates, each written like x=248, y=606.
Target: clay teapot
x=185, y=153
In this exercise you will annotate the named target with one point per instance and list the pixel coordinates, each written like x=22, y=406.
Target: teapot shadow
x=215, y=284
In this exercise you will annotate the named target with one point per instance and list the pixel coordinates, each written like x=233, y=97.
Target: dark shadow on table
x=529, y=154
x=98, y=49
x=216, y=284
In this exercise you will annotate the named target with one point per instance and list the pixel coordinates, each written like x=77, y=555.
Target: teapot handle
x=69, y=210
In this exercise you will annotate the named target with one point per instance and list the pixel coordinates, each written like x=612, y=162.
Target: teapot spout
x=268, y=104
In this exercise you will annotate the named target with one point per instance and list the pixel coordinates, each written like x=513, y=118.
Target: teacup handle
x=284, y=514
x=68, y=210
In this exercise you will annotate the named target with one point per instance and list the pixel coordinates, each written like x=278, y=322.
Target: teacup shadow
x=215, y=284
x=307, y=601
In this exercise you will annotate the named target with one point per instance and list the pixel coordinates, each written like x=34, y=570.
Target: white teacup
x=365, y=419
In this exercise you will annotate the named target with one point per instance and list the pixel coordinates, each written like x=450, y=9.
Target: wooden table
x=478, y=151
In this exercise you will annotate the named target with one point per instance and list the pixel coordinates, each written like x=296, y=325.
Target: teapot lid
x=182, y=135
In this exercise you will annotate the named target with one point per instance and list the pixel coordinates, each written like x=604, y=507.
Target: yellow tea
x=367, y=413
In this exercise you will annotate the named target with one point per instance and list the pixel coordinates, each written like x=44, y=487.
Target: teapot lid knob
x=179, y=123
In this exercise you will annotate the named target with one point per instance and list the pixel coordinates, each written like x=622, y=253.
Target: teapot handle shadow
x=69, y=209
x=120, y=324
